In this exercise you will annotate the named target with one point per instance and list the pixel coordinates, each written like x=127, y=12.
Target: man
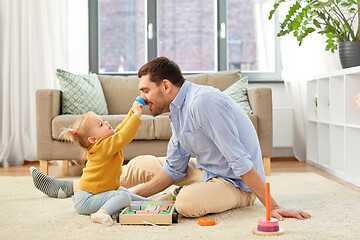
x=226, y=171
x=210, y=126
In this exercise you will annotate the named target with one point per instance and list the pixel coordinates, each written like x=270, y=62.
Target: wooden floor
x=277, y=165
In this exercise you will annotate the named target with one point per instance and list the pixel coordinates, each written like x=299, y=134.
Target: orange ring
x=206, y=222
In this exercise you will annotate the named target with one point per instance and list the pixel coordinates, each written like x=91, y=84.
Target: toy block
x=130, y=211
x=150, y=207
x=141, y=211
x=164, y=207
x=153, y=212
x=154, y=202
x=164, y=212
x=144, y=206
x=135, y=206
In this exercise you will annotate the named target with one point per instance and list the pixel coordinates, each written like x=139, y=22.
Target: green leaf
x=271, y=14
x=310, y=30
x=330, y=35
x=316, y=23
x=353, y=10
x=296, y=6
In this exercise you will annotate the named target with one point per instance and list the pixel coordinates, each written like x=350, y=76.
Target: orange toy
x=206, y=222
x=268, y=226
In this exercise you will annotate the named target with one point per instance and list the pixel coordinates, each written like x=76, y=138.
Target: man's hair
x=161, y=68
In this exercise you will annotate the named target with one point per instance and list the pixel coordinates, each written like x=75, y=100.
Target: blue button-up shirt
x=210, y=126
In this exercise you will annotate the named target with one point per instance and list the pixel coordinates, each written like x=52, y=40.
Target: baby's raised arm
x=137, y=108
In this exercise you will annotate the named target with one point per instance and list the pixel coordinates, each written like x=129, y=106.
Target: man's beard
x=160, y=106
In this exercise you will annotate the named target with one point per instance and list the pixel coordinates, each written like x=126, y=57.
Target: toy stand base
x=257, y=232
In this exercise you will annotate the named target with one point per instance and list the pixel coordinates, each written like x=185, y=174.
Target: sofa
x=154, y=133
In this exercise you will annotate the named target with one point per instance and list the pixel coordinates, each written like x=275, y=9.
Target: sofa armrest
x=260, y=100
x=48, y=106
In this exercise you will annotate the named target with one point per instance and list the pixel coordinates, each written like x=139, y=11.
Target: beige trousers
x=196, y=198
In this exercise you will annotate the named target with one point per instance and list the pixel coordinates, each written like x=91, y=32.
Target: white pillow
x=238, y=92
x=81, y=93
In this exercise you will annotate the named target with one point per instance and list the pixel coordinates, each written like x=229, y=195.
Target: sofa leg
x=267, y=166
x=65, y=164
x=65, y=167
x=44, y=168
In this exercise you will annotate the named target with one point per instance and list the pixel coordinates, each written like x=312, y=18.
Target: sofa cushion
x=120, y=93
x=238, y=92
x=220, y=80
x=81, y=93
x=145, y=132
x=162, y=127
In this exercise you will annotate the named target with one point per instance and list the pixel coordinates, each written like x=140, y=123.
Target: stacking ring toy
x=206, y=222
x=268, y=226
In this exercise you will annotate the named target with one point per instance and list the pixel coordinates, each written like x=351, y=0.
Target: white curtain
x=264, y=28
x=299, y=64
x=33, y=43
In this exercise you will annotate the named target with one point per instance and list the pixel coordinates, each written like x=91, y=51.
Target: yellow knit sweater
x=105, y=157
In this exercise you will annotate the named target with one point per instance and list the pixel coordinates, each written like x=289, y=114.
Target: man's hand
x=253, y=180
x=279, y=213
x=158, y=183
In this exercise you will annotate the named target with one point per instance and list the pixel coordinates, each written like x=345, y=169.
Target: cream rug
x=26, y=213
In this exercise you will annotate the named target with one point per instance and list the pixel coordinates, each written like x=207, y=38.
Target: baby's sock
x=52, y=187
x=102, y=216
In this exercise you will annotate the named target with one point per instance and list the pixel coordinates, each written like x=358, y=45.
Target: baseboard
x=283, y=152
x=284, y=159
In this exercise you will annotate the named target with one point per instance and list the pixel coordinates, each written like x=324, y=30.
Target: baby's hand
x=137, y=108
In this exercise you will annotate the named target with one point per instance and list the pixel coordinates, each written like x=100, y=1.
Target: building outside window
x=199, y=35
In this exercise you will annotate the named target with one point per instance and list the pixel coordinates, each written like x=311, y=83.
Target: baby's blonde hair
x=80, y=130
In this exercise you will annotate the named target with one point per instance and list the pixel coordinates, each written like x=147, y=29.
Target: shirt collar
x=180, y=97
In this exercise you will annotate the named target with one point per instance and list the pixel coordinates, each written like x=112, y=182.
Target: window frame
x=151, y=46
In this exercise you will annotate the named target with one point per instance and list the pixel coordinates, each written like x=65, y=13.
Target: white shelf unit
x=333, y=124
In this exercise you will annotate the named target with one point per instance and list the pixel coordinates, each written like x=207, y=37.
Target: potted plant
x=339, y=20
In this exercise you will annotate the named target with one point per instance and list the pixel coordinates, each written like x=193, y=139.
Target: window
x=199, y=35
x=121, y=35
x=186, y=33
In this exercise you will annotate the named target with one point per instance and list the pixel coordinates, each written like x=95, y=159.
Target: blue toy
x=140, y=100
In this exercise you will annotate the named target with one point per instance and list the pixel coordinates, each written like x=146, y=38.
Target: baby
x=100, y=193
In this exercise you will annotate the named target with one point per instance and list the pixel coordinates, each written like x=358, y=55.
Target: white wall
x=78, y=30
x=283, y=132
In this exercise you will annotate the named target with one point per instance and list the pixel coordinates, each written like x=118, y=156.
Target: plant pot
x=349, y=54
